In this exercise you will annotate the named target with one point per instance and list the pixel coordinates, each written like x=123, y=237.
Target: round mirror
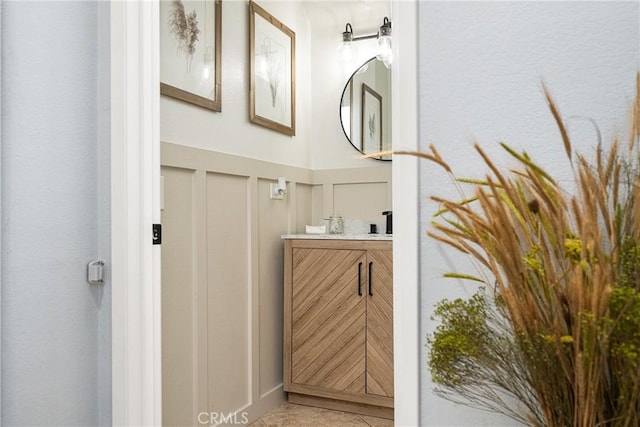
x=365, y=109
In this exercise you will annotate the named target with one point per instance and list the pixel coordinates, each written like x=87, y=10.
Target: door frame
x=135, y=196
x=135, y=183
x=406, y=210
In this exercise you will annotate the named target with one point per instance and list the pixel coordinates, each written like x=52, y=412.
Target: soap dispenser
x=389, y=215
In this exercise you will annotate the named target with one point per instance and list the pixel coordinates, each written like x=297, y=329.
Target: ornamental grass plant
x=552, y=336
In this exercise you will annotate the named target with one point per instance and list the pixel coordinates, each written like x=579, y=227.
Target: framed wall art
x=272, y=97
x=190, y=40
x=371, y=120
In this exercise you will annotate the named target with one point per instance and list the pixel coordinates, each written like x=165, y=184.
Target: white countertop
x=339, y=236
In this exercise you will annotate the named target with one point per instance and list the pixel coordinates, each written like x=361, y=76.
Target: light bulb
x=345, y=52
x=385, y=53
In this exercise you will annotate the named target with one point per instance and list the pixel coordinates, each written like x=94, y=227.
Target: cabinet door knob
x=359, y=279
x=370, y=289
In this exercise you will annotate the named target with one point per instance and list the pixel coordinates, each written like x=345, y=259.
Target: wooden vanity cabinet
x=338, y=324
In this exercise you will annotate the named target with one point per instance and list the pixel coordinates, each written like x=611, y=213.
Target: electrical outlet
x=276, y=192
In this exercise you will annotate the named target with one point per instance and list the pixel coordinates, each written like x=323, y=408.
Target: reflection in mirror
x=365, y=109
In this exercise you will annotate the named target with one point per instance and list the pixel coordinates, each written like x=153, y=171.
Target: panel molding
x=179, y=287
x=213, y=161
x=323, y=180
x=254, y=295
x=230, y=291
x=201, y=393
x=267, y=219
x=251, y=396
x=352, y=175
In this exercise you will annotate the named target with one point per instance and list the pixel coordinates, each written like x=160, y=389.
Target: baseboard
x=267, y=401
x=339, y=405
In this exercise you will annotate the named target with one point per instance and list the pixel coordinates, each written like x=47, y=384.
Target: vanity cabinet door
x=328, y=319
x=338, y=324
x=380, y=323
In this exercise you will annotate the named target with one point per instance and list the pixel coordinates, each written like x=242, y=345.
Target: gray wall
x=481, y=66
x=55, y=213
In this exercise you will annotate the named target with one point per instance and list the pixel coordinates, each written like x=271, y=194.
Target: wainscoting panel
x=304, y=208
x=356, y=194
x=228, y=292
x=178, y=298
x=222, y=273
x=364, y=201
x=317, y=204
x=272, y=223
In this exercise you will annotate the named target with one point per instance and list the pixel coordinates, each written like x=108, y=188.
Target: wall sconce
x=384, y=42
x=279, y=189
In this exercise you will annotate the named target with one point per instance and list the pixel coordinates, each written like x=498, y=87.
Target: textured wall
x=51, y=338
x=481, y=67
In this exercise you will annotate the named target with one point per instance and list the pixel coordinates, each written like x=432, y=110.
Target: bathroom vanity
x=338, y=322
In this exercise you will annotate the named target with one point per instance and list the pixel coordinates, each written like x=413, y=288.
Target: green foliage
x=458, y=340
x=533, y=261
x=629, y=264
x=573, y=249
x=625, y=330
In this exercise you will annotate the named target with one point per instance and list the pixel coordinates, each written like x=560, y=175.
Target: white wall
x=481, y=66
x=319, y=142
x=230, y=130
x=55, y=327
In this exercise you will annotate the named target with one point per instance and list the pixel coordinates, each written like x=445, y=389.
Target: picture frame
x=370, y=120
x=272, y=93
x=190, y=51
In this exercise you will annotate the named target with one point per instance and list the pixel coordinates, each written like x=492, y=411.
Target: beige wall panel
x=365, y=201
x=272, y=223
x=304, y=207
x=223, y=271
x=229, y=331
x=178, y=287
x=317, y=205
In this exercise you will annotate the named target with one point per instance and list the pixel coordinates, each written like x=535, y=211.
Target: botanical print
x=372, y=125
x=185, y=28
x=190, y=50
x=272, y=65
x=272, y=48
x=371, y=120
x=271, y=72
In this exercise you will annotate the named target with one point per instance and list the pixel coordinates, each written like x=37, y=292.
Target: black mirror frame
x=347, y=86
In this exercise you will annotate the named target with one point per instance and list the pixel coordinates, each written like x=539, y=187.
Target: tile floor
x=290, y=415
